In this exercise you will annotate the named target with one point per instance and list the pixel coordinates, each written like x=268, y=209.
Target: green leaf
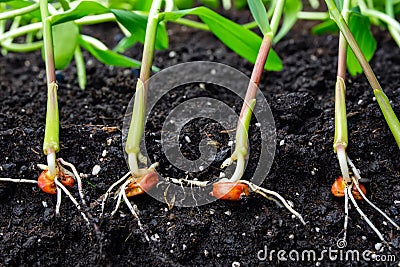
x=104, y=55
x=183, y=4
x=259, y=14
x=241, y=40
x=83, y=9
x=125, y=43
x=26, y=18
x=136, y=25
x=211, y=3
x=360, y=27
x=328, y=26
x=339, y=4
x=292, y=7
x=64, y=44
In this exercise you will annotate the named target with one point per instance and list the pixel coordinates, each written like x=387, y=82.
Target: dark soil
x=221, y=233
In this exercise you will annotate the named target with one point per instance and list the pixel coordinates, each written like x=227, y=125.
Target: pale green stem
x=371, y=6
x=51, y=136
x=389, y=114
x=386, y=108
x=341, y=130
x=192, y=24
x=380, y=15
x=14, y=25
x=28, y=47
x=314, y=3
x=136, y=128
x=96, y=19
x=341, y=134
x=226, y=4
x=18, y=12
x=307, y=15
x=21, y=31
x=389, y=10
x=80, y=67
x=277, y=16
x=271, y=8
x=304, y=15
x=89, y=20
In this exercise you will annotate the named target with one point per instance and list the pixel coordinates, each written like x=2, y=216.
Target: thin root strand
x=259, y=189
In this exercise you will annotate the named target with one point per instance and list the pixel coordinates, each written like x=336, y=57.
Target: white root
x=259, y=189
x=120, y=195
x=355, y=181
x=18, y=180
x=60, y=185
x=346, y=213
x=110, y=189
x=135, y=214
x=363, y=216
x=190, y=182
x=58, y=204
x=77, y=177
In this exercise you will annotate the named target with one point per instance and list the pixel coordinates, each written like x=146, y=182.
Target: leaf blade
x=360, y=27
x=241, y=40
x=259, y=14
x=136, y=24
x=104, y=55
x=290, y=11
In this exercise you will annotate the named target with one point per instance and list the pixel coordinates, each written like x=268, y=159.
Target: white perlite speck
x=104, y=153
x=96, y=169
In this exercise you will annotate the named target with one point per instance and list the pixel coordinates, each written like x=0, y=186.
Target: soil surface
x=221, y=233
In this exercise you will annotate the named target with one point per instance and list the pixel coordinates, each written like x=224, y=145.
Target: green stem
x=22, y=48
x=136, y=128
x=382, y=16
x=389, y=114
x=80, y=67
x=21, y=31
x=307, y=15
x=304, y=15
x=18, y=12
x=51, y=136
x=14, y=25
x=192, y=24
x=89, y=20
x=96, y=19
x=271, y=8
x=276, y=18
x=393, y=122
x=341, y=130
x=389, y=10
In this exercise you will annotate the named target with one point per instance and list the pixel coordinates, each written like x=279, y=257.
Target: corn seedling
x=349, y=186
x=234, y=188
x=137, y=181
x=54, y=178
